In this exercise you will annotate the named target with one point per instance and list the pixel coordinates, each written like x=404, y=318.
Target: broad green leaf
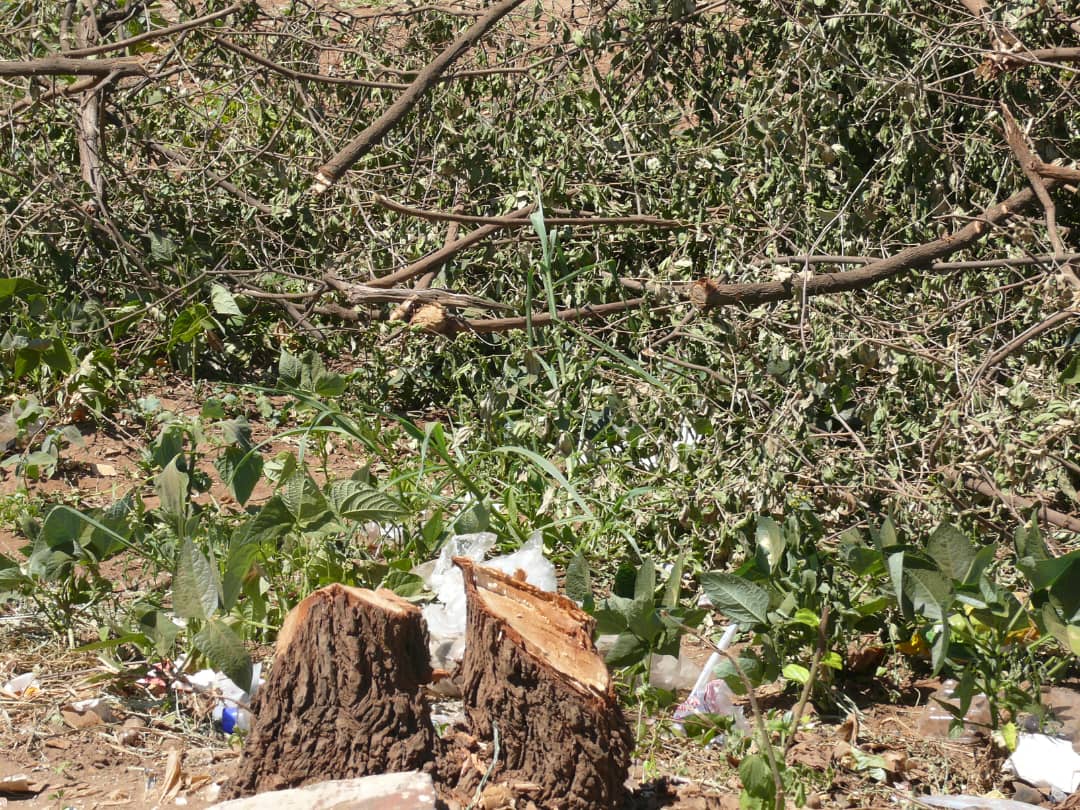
x=645, y=581
x=770, y=541
x=224, y=651
x=612, y=615
x=832, y=660
x=931, y=592
x=62, y=529
x=644, y=620
x=952, y=551
x=18, y=286
x=222, y=300
x=240, y=470
x=759, y=786
x=627, y=651
x=796, y=672
x=237, y=431
x=289, y=369
x=807, y=617
x=578, y=583
x=195, y=583
x=355, y=500
x=673, y=585
x=1071, y=374
x=162, y=631
x=1029, y=541
x=885, y=536
x=172, y=488
x=740, y=600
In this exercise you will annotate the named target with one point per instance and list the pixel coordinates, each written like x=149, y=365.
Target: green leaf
x=643, y=620
x=551, y=470
x=19, y=286
x=236, y=431
x=222, y=301
x=355, y=500
x=612, y=615
x=952, y=551
x=195, y=583
x=289, y=370
x=162, y=631
x=240, y=470
x=172, y=488
x=1071, y=374
x=738, y=599
x=224, y=651
x=759, y=786
x=578, y=584
x=796, y=672
x=931, y=592
x=807, y=617
x=673, y=585
x=770, y=541
x=645, y=582
x=627, y=651
x=162, y=248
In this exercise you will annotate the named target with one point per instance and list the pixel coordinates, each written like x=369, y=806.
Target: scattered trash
x=936, y=720
x=231, y=713
x=232, y=718
x=445, y=617
x=19, y=785
x=671, y=673
x=87, y=713
x=1040, y=759
x=964, y=802
x=23, y=687
x=712, y=696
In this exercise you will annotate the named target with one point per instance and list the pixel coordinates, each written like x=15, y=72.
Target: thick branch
x=361, y=294
x=708, y=293
x=66, y=66
x=359, y=146
x=1028, y=160
x=937, y=267
x=1066, y=173
x=1017, y=502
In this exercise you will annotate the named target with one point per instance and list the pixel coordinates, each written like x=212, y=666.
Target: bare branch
x=1019, y=502
x=333, y=169
x=1027, y=160
x=66, y=66
x=514, y=221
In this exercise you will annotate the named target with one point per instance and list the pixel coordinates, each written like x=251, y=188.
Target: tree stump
x=343, y=698
x=531, y=671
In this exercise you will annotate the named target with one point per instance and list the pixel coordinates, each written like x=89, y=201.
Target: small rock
x=410, y=790
x=1027, y=794
x=131, y=732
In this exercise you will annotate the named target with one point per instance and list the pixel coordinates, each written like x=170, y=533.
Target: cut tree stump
x=343, y=698
x=531, y=675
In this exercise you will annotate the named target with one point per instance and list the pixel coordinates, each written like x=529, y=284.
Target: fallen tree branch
x=1025, y=156
x=973, y=264
x=1041, y=56
x=299, y=75
x=514, y=221
x=331, y=171
x=489, y=325
x=160, y=32
x=433, y=261
x=66, y=66
x=1023, y=339
x=1065, y=173
x=362, y=294
x=707, y=293
x=56, y=92
x=1017, y=502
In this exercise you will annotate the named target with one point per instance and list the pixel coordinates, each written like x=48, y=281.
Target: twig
x=516, y=222
x=299, y=75
x=973, y=264
x=1017, y=502
x=360, y=294
x=433, y=261
x=764, y=741
x=160, y=32
x=1027, y=160
x=1022, y=339
x=800, y=707
x=331, y=171
x=488, y=325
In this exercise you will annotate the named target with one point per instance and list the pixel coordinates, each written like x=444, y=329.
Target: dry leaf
x=170, y=784
x=848, y=731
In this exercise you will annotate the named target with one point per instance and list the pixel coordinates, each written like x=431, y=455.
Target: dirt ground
x=163, y=750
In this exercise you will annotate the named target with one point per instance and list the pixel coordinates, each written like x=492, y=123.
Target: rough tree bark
x=344, y=696
x=532, y=676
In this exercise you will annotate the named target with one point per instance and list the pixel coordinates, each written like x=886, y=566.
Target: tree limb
x=514, y=221
x=160, y=32
x=707, y=293
x=1018, y=502
x=67, y=66
x=333, y=169
x=1027, y=160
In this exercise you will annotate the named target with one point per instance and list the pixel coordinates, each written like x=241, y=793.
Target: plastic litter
x=1040, y=759
x=935, y=720
x=445, y=616
x=21, y=686
x=231, y=712
x=709, y=695
x=965, y=802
